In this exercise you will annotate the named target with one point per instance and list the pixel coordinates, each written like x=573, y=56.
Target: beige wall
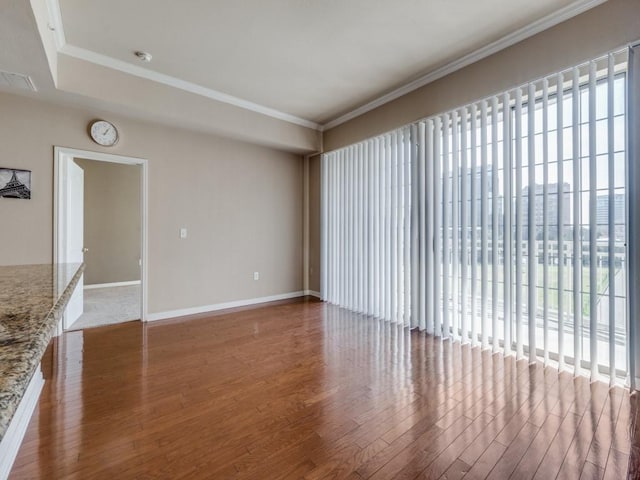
x=241, y=204
x=136, y=94
x=314, y=223
x=112, y=221
x=597, y=31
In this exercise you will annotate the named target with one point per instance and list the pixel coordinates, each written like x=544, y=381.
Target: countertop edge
x=37, y=345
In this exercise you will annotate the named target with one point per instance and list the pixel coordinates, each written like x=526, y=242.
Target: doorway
x=115, y=271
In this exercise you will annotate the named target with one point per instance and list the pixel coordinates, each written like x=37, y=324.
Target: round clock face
x=104, y=133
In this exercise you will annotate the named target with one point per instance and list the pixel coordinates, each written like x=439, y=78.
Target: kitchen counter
x=32, y=300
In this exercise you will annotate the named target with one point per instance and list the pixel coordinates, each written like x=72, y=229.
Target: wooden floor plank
x=529, y=463
x=302, y=389
x=553, y=458
x=487, y=461
x=514, y=453
x=456, y=471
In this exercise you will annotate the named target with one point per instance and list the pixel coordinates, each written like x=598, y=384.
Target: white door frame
x=59, y=216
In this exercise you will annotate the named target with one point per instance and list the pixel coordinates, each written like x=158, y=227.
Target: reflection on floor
x=109, y=305
x=303, y=389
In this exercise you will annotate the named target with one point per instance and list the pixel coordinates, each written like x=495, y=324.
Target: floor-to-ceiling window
x=501, y=223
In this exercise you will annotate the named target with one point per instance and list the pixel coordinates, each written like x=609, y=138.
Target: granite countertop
x=32, y=300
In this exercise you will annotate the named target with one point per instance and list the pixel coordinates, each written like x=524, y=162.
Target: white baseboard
x=18, y=426
x=152, y=317
x=115, y=284
x=313, y=293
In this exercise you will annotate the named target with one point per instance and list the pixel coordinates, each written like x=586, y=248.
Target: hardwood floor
x=307, y=390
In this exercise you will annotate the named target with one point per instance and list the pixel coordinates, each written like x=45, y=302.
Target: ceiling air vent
x=16, y=80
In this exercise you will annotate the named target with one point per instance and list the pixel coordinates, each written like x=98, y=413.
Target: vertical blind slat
x=407, y=187
x=384, y=227
x=446, y=254
x=415, y=212
x=351, y=165
x=593, y=247
x=561, y=210
x=464, y=189
x=545, y=219
x=494, y=224
x=369, y=232
x=577, y=215
x=437, y=222
x=474, y=225
x=399, y=231
x=384, y=220
x=399, y=228
x=508, y=223
x=348, y=223
x=484, y=237
x=337, y=233
x=532, y=260
x=455, y=260
x=363, y=206
x=387, y=226
x=353, y=172
x=423, y=264
x=339, y=230
x=519, y=221
x=431, y=311
x=611, y=217
x=343, y=289
x=359, y=227
x=373, y=225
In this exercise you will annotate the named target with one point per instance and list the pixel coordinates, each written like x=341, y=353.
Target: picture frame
x=15, y=183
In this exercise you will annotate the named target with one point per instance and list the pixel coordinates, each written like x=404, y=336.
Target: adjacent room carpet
x=109, y=305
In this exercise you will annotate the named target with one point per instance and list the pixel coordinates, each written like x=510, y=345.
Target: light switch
x=256, y=275
x=183, y=233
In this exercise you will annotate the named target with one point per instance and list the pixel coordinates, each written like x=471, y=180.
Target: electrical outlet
x=256, y=275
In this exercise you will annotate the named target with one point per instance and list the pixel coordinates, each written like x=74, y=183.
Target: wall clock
x=104, y=133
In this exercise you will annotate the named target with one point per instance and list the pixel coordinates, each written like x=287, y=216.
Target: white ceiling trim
x=55, y=18
x=55, y=23
x=570, y=11
x=178, y=83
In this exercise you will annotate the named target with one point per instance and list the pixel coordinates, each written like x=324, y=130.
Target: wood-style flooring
x=302, y=389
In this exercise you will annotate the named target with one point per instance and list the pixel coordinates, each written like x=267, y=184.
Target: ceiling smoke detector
x=144, y=56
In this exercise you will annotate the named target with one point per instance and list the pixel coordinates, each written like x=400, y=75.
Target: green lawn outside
x=602, y=275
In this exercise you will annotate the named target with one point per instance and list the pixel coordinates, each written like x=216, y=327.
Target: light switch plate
x=183, y=233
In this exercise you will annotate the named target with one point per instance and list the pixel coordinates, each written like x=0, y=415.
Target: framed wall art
x=15, y=183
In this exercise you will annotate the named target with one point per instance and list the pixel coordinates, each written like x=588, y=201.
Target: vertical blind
x=502, y=223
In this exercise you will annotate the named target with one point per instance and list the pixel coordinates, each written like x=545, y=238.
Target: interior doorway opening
x=101, y=219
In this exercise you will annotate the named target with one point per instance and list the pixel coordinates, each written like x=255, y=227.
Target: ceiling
x=315, y=60
x=272, y=72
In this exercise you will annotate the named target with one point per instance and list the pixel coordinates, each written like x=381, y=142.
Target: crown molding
x=55, y=19
x=55, y=22
x=565, y=13
x=125, y=67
